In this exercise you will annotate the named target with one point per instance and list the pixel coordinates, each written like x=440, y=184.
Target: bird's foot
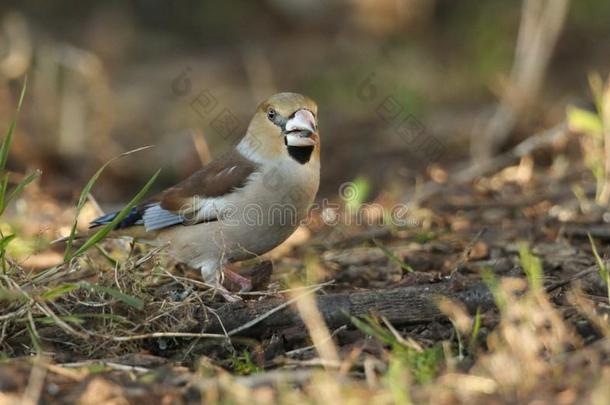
x=211, y=275
x=226, y=294
x=244, y=283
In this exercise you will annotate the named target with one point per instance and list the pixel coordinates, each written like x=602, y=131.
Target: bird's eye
x=271, y=114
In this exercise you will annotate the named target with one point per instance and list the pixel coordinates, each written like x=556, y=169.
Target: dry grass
x=84, y=330
x=92, y=311
x=532, y=354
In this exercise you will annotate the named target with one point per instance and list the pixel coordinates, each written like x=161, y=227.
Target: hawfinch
x=243, y=204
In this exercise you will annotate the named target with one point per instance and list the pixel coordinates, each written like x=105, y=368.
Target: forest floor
x=493, y=294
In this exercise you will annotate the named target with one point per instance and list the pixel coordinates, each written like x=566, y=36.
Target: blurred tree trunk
x=541, y=24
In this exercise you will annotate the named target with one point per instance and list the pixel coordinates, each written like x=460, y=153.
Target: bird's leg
x=211, y=274
x=226, y=294
x=244, y=282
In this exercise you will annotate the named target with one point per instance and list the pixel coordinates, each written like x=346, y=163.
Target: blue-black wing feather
x=152, y=216
x=133, y=218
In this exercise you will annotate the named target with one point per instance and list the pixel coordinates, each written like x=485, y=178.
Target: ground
x=491, y=293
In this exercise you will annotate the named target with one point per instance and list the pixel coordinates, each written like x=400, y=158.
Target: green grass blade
x=392, y=257
x=82, y=199
x=3, y=188
x=111, y=261
x=584, y=121
x=6, y=143
x=603, y=269
x=370, y=326
x=532, y=266
x=99, y=235
x=79, y=318
x=47, y=320
x=492, y=282
x=8, y=295
x=476, y=328
x=4, y=241
x=34, y=338
x=19, y=189
x=58, y=291
x=116, y=294
x=458, y=335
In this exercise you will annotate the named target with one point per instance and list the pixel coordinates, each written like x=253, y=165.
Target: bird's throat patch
x=301, y=154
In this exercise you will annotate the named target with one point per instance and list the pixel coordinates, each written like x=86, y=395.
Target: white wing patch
x=206, y=209
x=197, y=209
x=156, y=217
x=201, y=210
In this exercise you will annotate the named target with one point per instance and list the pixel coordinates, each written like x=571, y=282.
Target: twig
x=467, y=251
x=16, y=313
x=307, y=348
x=408, y=342
x=287, y=290
x=267, y=314
x=317, y=362
x=64, y=372
x=580, y=274
x=116, y=366
x=272, y=378
x=469, y=173
x=164, y=334
x=63, y=325
x=601, y=231
x=125, y=367
x=149, y=255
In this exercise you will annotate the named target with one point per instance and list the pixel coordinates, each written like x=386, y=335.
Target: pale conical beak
x=299, y=129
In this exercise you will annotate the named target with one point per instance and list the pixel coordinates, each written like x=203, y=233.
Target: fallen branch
x=597, y=231
x=400, y=306
x=260, y=318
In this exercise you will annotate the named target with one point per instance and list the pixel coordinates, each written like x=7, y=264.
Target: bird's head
x=285, y=123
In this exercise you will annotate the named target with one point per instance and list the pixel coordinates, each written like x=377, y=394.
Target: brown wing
x=174, y=205
x=218, y=178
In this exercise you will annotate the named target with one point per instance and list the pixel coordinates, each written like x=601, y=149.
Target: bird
x=242, y=204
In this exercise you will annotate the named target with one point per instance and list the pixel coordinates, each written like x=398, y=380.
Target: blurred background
x=490, y=119
x=407, y=89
